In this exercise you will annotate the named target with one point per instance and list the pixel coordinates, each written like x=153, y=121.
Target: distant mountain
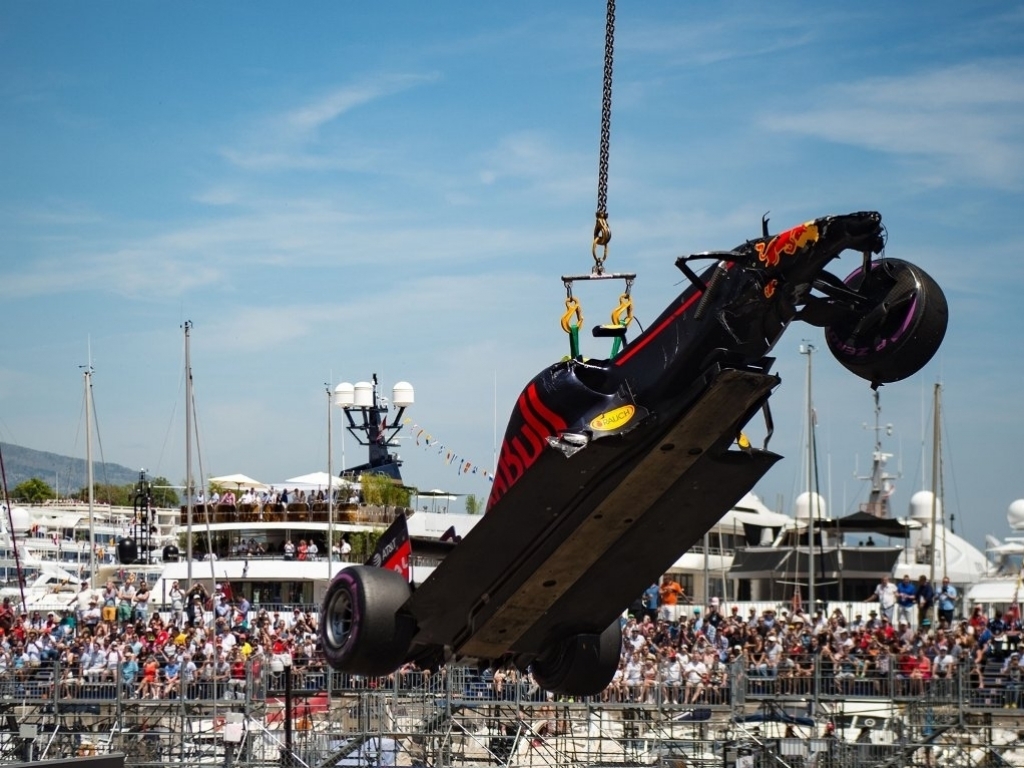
x=68, y=474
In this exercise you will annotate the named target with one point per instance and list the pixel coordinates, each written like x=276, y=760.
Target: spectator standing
x=885, y=593
x=671, y=594
x=906, y=598
x=177, y=598
x=947, y=598
x=650, y=601
x=925, y=601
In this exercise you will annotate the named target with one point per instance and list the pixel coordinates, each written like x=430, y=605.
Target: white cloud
x=314, y=115
x=292, y=140
x=964, y=122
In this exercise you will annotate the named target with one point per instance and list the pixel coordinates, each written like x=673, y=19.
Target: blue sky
x=332, y=190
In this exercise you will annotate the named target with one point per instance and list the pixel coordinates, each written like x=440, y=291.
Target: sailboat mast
x=935, y=489
x=89, y=472
x=330, y=484
x=189, y=488
x=812, y=504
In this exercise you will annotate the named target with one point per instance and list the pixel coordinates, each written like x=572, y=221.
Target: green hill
x=64, y=473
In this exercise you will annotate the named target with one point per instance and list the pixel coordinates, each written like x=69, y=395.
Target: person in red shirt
x=978, y=620
x=18, y=630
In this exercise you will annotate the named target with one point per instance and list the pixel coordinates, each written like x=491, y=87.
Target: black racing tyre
x=361, y=631
x=581, y=665
x=901, y=329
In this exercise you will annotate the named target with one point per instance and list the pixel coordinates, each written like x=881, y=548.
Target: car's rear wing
x=395, y=546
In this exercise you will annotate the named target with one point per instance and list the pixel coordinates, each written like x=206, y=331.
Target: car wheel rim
x=341, y=613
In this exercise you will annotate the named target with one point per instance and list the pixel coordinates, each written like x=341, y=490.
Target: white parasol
x=316, y=481
x=239, y=482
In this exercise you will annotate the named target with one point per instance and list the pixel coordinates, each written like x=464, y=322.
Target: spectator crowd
x=673, y=652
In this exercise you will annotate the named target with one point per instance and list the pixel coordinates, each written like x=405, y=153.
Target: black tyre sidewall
x=904, y=354
x=583, y=665
x=378, y=641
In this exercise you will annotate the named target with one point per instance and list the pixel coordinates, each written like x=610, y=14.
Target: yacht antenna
x=881, y=481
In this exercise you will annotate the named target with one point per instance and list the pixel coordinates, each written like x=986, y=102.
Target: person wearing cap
x=92, y=615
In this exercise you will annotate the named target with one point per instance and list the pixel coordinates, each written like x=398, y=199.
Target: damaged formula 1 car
x=611, y=469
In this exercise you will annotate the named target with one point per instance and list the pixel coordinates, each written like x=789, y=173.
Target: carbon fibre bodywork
x=611, y=469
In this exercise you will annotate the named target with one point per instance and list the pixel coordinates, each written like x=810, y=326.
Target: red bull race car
x=611, y=469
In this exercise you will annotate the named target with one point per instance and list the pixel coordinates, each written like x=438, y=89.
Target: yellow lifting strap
x=621, y=316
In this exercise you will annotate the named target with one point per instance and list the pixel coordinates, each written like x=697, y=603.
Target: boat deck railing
x=295, y=512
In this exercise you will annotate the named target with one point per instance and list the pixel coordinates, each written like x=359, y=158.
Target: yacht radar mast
x=882, y=485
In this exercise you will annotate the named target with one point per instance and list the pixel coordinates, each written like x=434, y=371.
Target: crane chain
x=602, y=232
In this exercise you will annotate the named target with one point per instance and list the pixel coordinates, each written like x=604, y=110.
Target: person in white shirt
x=672, y=676
x=113, y=661
x=694, y=674
x=228, y=642
x=633, y=675
x=885, y=594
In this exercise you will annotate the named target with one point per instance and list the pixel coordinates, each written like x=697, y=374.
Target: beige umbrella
x=239, y=482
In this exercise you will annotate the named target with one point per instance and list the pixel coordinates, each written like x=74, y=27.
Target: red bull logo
x=788, y=242
x=519, y=451
x=769, y=289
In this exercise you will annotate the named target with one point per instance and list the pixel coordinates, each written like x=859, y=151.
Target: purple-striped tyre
x=581, y=665
x=361, y=631
x=899, y=328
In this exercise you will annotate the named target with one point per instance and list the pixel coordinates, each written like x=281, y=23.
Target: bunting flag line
x=463, y=466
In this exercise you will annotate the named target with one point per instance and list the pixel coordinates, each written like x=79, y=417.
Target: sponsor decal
x=394, y=549
x=769, y=289
x=613, y=419
x=519, y=451
x=788, y=242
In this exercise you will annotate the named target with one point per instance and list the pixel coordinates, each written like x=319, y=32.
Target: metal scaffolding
x=461, y=717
